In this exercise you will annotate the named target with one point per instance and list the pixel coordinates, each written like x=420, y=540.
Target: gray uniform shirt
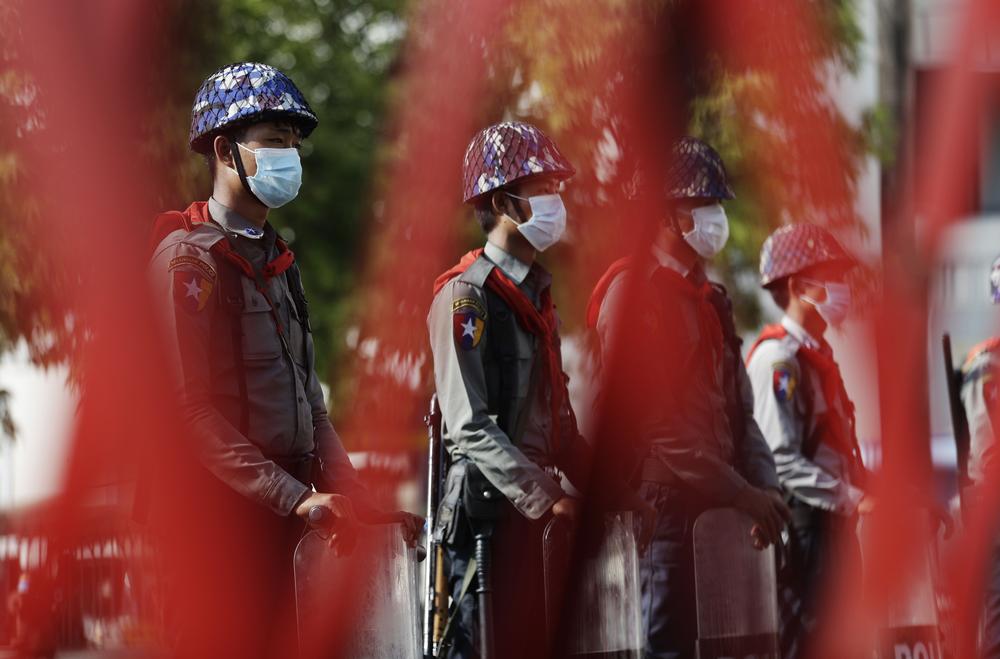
x=979, y=393
x=287, y=412
x=782, y=408
x=516, y=469
x=691, y=433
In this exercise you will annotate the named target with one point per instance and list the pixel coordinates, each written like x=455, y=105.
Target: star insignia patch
x=784, y=382
x=192, y=290
x=469, y=321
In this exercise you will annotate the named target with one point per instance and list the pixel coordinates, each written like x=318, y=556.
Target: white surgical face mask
x=547, y=223
x=835, y=307
x=278, y=177
x=710, y=232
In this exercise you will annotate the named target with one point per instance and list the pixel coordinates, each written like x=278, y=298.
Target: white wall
x=42, y=406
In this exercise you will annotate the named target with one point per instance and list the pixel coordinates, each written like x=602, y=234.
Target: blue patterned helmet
x=507, y=152
x=244, y=93
x=793, y=248
x=696, y=170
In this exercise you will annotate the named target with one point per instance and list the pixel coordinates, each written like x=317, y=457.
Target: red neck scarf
x=989, y=345
x=709, y=326
x=197, y=213
x=543, y=324
x=821, y=361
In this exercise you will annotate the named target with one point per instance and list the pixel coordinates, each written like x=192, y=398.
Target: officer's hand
x=867, y=504
x=941, y=518
x=567, y=508
x=343, y=526
x=779, y=501
x=412, y=526
x=768, y=513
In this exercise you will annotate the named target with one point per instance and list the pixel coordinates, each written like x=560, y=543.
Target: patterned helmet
x=696, y=170
x=995, y=280
x=507, y=152
x=242, y=93
x=794, y=248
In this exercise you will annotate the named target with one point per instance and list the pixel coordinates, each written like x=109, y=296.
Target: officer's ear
x=796, y=286
x=498, y=202
x=221, y=150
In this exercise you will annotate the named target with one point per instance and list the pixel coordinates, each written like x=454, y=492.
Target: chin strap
x=234, y=149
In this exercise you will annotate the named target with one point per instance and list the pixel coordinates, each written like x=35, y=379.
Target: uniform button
x=301, y=400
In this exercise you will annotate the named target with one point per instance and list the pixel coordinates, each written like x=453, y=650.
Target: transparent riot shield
x=379, y=577
x=735, y=589
x=910, y=629
x=604, y=618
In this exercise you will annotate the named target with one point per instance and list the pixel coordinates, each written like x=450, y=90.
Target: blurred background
x=873, y=66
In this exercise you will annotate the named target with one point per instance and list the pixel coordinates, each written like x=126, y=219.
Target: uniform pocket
x=260, y=334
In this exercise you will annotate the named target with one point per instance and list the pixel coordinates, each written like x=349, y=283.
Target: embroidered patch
x=784, y=382
x=207, y=270
x=469, y=304
x=469, y=327
x=192, y=290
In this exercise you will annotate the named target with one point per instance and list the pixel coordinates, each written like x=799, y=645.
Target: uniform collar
x=232, y=221
x=799, y=333
x=667, y=261
x=515, y=269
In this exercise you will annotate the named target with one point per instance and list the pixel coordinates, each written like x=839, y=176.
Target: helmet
x=507, y=152
x=696, y=170
x=242, y=93
x=794, y=248
x=995, y=280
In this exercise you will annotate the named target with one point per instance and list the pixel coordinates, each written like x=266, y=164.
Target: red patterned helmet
x=793, y=248
x=507, y=152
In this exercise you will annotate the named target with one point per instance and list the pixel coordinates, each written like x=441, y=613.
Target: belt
x=299, y=466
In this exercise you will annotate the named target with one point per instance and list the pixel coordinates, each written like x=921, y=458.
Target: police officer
x=979, y=398
x=693, y=409
x=507, y=420
x=806, y=416
x=238, y=331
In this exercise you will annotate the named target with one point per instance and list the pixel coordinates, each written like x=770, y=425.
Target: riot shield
x=910, y=628
x=604, y=617
x=735, y=589
x=379, y=577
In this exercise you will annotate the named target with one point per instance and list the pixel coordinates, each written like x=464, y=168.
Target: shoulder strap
x=478, y=272
x=294, y=280
x=164, y=225
x=502, y=351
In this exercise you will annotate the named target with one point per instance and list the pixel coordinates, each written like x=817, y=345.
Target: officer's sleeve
x=775, y=377
x=184, y=281
x=677, y=432
x=336, y=474
x=979, y=392
x=457, y=333
x=756, y=456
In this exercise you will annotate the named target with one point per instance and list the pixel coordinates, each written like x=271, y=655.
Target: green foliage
x=345, y=56
x=33, y=286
